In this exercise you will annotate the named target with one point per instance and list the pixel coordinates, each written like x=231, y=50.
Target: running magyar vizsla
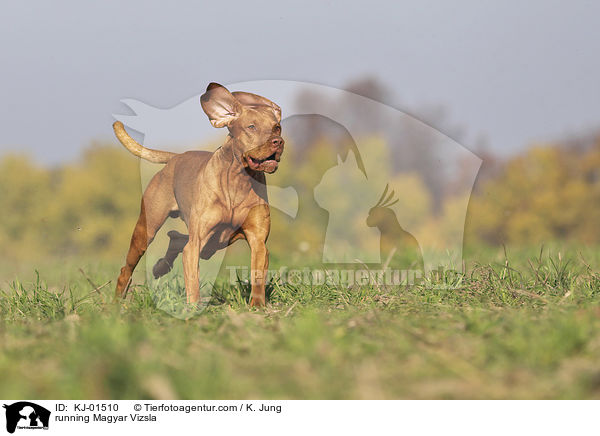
x=221, y=196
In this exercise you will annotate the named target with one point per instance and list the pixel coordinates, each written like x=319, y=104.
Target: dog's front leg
x=259, y=264
x=256, y=229
x=191, y=255
x=199, y=227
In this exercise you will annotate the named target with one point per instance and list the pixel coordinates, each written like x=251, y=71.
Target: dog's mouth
x=268, y=164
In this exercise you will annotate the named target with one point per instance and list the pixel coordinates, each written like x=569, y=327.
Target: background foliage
x=89, y=207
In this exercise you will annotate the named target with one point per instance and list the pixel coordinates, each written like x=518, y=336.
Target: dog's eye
x=277, y=129
x=252, y=127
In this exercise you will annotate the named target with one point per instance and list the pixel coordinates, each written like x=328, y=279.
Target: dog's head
x=253, y=122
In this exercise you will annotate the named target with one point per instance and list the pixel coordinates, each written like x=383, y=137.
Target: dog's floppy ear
x=221, y=107
x=253, y=100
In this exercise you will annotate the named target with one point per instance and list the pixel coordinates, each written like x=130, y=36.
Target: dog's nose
x=277, y=142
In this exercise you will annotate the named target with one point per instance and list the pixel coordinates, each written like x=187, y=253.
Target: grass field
x=522, y=326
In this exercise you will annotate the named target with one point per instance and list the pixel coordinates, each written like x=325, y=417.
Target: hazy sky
x=513, y=71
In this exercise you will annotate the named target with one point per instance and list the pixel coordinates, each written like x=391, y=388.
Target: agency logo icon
x=25, y=415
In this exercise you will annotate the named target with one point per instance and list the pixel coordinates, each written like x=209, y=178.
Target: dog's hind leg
x=176, y=244
x=155, y=208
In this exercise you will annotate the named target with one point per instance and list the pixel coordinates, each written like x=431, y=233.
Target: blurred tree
x=87, y=208
x=25, y=191
x=549, y=193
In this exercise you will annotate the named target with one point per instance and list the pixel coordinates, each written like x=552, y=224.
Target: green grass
x=528, y=328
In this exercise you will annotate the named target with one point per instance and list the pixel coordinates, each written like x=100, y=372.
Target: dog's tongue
x=269, y=166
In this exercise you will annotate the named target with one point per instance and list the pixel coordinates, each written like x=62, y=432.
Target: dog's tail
x=156, y=156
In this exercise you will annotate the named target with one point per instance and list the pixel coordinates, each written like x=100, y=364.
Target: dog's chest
x=242, y=198
x=239, y=212
x=236, y=218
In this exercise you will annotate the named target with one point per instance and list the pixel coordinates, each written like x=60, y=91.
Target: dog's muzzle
x=266, y=157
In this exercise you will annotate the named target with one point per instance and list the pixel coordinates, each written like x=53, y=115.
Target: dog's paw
x=257, y=302
x=161, y=267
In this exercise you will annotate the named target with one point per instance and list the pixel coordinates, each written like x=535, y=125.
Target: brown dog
x=221, y=196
